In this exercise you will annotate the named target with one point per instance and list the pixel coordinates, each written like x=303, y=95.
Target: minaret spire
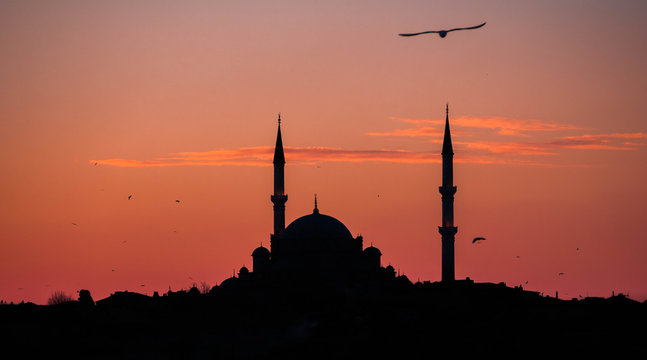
x=279, y=198
x=447, y=190
x=316, y=210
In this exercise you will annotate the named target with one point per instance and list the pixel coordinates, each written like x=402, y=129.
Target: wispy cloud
x=468, y=151
x=262, y=156
x=601, y=141
x=502, y=125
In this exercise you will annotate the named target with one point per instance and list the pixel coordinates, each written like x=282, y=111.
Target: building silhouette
x=313, y=247
x=447, y=190
x=320, y=247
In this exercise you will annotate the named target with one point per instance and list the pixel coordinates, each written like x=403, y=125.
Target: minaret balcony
x=447, y=230
x=447, y=190
x=279, y=199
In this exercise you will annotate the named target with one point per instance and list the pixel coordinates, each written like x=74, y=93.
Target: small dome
x=317, y=226
x=261, y=251
x=243, y=271
x=373, y=251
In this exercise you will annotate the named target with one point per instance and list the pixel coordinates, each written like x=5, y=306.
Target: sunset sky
x=166, y=100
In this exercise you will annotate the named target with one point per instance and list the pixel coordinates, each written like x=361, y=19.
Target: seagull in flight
x=442, y=33
x=477, y=239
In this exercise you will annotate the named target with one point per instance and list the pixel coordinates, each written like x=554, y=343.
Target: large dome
x=317, y=226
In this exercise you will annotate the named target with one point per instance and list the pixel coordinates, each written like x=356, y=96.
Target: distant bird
x=123, y=242
x=19, y=288
x=526, y=283
x=177, y=201
x=577, y=249
x=477, y=239
x=75, y=224
x=129, y=196
x=378, y=195
x=442, y=33
x=113, y=270
x=518, y=256
x=95, y=164
x=142, y=285
x=560, y=274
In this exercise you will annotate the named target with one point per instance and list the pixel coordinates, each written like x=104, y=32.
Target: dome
x=261, y=251
x=317, y=226
x=371, y=250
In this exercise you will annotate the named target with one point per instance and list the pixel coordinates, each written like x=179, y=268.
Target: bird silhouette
x=560, y=274
x=75, y=224
x=442, y=33
x=129, y=196
x=177, y=201
x=477, y=239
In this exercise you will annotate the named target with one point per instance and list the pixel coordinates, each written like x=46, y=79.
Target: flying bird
x=477, y=239
x=443, y=33
x=129, y=196
x=177, y=201
x=560, y=274
x=75, y=224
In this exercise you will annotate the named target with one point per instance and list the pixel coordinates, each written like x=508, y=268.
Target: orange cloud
x=601, y=141
x=503, y=126
x=262, y=156
x=518, y=148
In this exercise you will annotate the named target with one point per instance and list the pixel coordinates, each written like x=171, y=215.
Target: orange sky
x=178, y=100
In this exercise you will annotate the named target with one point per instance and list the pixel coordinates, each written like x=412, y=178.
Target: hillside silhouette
x=388, y=317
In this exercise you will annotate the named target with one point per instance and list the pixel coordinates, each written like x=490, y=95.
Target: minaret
x=279, y=198
x=448, y=230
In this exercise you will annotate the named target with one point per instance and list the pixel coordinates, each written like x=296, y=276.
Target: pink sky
x=178, y=100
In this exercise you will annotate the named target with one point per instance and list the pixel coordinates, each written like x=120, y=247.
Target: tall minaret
x=448, y=230
x=279, y=198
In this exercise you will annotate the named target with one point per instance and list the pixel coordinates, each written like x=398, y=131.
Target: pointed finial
x=279, y=119
x=447, y=110
x=316, y=210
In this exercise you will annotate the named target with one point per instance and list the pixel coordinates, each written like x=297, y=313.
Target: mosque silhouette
x=318, y=247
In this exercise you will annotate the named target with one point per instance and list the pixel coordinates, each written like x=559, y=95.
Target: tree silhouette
x=59, y=297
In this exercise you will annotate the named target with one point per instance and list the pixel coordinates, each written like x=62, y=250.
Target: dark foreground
x=399, y=321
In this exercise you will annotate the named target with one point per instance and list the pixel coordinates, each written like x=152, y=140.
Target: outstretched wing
x=420, y=33
x=467, y=28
